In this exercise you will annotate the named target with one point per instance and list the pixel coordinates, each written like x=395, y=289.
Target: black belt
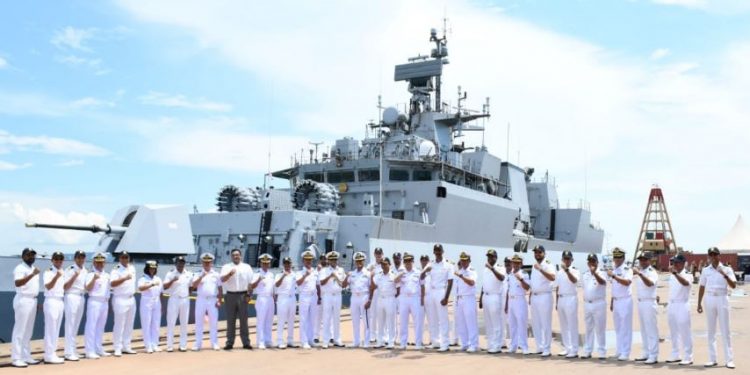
x=241, y=292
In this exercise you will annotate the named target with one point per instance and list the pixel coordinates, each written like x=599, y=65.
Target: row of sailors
x=381, y=296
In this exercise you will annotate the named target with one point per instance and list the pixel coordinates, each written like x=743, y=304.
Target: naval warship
x=411, y=183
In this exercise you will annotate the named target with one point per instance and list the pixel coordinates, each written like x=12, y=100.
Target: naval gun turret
x=144, y=231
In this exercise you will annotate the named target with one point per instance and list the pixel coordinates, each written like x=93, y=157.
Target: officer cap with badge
x=207, y=258
x=359, y=256
x=265, y=258
x=333, y=255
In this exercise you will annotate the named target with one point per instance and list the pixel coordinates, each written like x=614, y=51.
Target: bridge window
x=398, y=215
x=398, y=175
x=422, y=175
x=315, y=176
x=336, y=177
x=366, y=175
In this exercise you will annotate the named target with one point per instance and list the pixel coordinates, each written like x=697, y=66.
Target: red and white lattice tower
x=656, y=233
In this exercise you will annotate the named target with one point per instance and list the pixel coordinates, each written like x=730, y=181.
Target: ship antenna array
x=485, y=111
x=316, y=144
x=438, y=53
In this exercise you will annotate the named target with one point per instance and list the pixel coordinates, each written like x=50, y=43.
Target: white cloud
x=71, y=163
x=634, y=121
x=94, y=64
x=659, y=53
x=180, y=101
x=8, y=166
x=38, y=104
x=3, y=63
x=49, y=145
x=700, y=4
x=73, y=38
x=727, y=7
x=91, y=102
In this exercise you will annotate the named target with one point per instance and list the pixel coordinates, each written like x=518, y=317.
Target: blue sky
x=105, y=104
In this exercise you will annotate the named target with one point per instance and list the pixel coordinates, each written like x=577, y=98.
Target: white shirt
x=515, y=288
x=127, y=288
x=539, y=283
x=490, y=283
x=58, y=290
x=462, y=288
x=100, y=289
x=243, y=275
x=181, y=285
x=288, y=286
x=265, y=283
x=714, y=281
x=31, y=288
x=410, y=284
x=359, y=281
x=644, y=291
x=564, y=286
x=332, y=286
x=153, y=293
x=592, y=290
x=440, y=273
x=619, y=290
x=209, y=285
x=385, y=284
x=309, y=285
x=677, y=291
x=79, y=285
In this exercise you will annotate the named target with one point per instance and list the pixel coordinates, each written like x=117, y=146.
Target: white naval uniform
x=286, y=304
x=647, y=313
x=359, y=284
x=308, y=305
x=205, y=304
x=567, y=309
x=622, y=311
x=716, y=307
x=386, y=310
x=540, y=296
x=54, y=308
x=75, y=304
x=319, y=309
x=409, y=304
x=178, y=305
x=374, y=268
x=493, y=304
x=264, y=307
x=24, y=307
x=678, y=315
x=331, y=295
x=518, y=313
x=97, y=310
x=123, y=305
x=440, y=273
x=150, y=311
x=466, y=309
x=427, y=318
x=594, y=313
x=399, y=297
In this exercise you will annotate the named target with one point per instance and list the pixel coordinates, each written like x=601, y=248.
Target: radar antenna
x=316, y=144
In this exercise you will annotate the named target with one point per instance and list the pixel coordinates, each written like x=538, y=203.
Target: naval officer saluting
x=286, y=303
x=715, y=281
x=122, y=280
x=97, y=285
x=358, y=282
x=26, y=278
x=492, y=301
x=207, y=284
x=678, y=312
x=540, y=296
x=621, y=304
x=645, y=283
x=75, y=302
x=54, y=307
x=595, y=308
x=331, y=280
x=177, y=285
x=262, y=286
x=567, y=305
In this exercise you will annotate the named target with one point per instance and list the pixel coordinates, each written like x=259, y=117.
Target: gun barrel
x=108, y=229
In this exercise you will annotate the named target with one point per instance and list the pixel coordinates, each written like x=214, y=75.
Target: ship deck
x=370, y=361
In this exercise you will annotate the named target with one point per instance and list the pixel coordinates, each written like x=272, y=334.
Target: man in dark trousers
x=235, y=278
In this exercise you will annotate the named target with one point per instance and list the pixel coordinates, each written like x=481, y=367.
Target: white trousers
x=518, y=323
x=567, y=311
x=177, y=307
x=410, y=306
x=360, y=319
x=595, y=318
x=649, y=329
x=308, y=310
x=124, y=309
x=24, y=308
x=622, y=316
x=386, y=316
x=431, y=328
x=541, y=321
x=678, y=315
x=372, y=315
x=332, y=317
x=439, y=324
x=285, y=308
x=206, y=306
x=75, y=304
x=494, y=322
x=96, y=317
x=466, y=321
x=318, y=319
x=717, y=308
x=263, y=320
x=54, y=309
x=150, y=322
